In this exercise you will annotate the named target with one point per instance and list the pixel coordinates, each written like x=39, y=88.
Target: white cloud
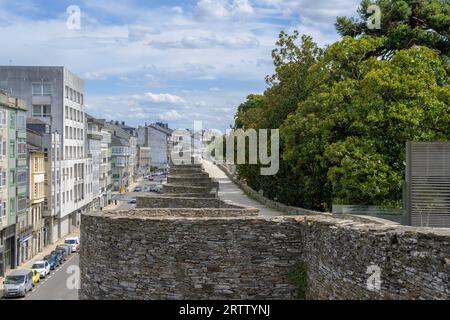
x=160, y=98
x=223, y=9
x=178, y=10
x=211, y=9
x=242, y=8
x=170, y=115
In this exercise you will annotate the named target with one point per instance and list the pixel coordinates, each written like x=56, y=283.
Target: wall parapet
x=207, y=254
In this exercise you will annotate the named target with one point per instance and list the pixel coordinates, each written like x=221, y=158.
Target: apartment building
x=36, y=165
x=40, y=134
x=120, y=157
x=156, y=137
x=56, y=97
x=144, y=160
x=13, y=179
x=133, y=160
x=105, y=174
x=95, y=137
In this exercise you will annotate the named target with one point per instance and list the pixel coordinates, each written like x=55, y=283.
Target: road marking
x=49, y=276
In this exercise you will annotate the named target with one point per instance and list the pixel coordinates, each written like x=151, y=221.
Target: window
x=2, y=118
x=21, y=120
x=2, y=178
x=67, y=92
x=78, y=97
x=12, y=177
x=41, y=89
x=2, y=148
x=21, y=148
x=67, y=113
x=2, y=209
x=22, y=177
x=12, y=120
x=82, y=99
x=71, y=94
x=42, y=110
x=12, y=147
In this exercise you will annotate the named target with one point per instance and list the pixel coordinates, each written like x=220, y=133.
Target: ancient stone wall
x=227, y=254
x=181, y=202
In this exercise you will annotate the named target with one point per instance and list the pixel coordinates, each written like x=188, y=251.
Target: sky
x=170, y=61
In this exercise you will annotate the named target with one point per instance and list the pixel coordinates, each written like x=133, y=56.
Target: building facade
x=36, y=165
x=105, y=174
x=120, y=157
x=56, y=97
x=156, y=137
x=144, y=160
x=13, y=179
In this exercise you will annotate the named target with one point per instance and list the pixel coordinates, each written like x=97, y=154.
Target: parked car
x=62, y=252
x=137, y=189
x=132, y=201
x=151, y=178
x=59, y=256
x=52, y=261
x=18, y=283
x=42, y=267
x=65, y=247
x=36, y=276
x=74, y=242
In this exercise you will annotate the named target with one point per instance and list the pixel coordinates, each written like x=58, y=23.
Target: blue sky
x=173, y=61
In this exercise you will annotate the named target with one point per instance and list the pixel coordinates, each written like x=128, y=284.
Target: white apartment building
x=56, y=96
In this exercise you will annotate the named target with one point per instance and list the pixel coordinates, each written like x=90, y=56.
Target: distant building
x=144, y=159
x=94, y=138
x=120, y=157
x=156, y=137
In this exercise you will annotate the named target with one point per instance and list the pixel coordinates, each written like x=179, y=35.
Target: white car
x=42, y=267
x=74, y=243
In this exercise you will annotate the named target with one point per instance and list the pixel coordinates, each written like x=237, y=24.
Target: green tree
x=350, y=136
x=404, y=24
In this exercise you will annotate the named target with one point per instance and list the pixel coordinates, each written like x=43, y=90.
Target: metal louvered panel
x=428, y=183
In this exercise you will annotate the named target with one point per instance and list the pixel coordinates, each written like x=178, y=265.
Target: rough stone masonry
x=232, y=253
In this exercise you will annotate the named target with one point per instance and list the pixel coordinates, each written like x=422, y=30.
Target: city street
x=55, y=286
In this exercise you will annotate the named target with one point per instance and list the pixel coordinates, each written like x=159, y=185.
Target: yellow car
x=36, y=276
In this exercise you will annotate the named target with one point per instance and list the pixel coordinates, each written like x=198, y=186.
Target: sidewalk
x=40, y=256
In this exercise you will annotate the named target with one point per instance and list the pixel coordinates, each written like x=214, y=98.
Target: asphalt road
x=54, y=286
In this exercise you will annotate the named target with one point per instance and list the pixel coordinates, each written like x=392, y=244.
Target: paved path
x=229, y=191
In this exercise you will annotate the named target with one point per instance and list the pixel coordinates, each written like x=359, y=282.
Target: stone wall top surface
x=181, y=213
